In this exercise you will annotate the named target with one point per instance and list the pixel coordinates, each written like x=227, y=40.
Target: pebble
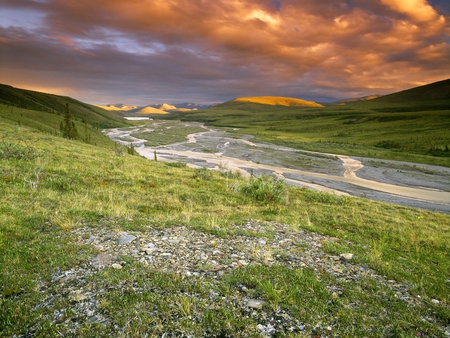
x=126, y=239
x=255, y=303
x=117, y=266
x=346, y=256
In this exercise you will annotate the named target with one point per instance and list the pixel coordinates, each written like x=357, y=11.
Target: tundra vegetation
x=52, y=186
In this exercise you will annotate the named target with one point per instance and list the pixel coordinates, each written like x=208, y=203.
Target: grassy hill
x=410, y=125
x=220, y=241
x=437, y=91
x=45, y=112
x=274, y=101
x=55, y=104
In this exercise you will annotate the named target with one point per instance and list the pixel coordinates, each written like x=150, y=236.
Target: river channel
x=410, y=184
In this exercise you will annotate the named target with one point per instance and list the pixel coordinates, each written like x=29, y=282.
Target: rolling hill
x=436, y=91
x=274, y=101
x=45, y=113
x=55, y=104
x=148, y=110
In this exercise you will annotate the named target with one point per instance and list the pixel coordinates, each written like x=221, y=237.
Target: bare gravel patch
x=198, y=257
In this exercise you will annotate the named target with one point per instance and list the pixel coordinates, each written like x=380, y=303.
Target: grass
x=166, y=134
x=50, y=186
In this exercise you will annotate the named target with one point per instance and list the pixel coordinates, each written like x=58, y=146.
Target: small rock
x=92, y=319
x=117, y=266
x=149, y=251
x=126, y=239
x=101, y=260
x=255, y=303
x=346, y=256
x=336, y=269
x=435, y=301
x=78, y=296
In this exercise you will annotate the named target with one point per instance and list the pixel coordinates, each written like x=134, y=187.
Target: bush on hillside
x=16, y=151
x=264, y=188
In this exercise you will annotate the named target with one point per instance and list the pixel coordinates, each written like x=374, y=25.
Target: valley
x=86, y=224
x=417, y=185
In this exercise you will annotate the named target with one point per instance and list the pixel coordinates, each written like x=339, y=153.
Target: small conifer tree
x=68, y=128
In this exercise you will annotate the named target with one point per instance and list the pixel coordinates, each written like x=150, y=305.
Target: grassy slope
x=50, y=186
x=54, y=104
x=411, y=125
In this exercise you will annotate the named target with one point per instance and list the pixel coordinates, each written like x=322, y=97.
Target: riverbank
x=409, y=184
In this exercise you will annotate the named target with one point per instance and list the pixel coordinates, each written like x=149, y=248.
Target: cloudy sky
x=152, y=51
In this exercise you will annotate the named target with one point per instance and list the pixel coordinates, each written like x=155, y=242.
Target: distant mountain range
x=161, y=108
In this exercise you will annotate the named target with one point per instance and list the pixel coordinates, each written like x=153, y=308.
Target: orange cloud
x=235, y=47
x=419, y=10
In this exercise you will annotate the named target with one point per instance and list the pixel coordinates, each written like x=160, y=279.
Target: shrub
x=203, y=174
x=264, y=188
x=16, y=151
x=178, y=164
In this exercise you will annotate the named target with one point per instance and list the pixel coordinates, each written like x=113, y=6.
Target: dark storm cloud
x=141, y=51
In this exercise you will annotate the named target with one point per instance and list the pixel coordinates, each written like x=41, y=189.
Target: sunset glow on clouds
x=149, y=51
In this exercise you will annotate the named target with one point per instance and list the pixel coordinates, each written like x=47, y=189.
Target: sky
x=144, y=52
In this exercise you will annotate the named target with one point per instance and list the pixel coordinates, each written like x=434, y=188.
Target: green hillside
x=55, y=104
x=410, y=125
x=437, y=91
x=45, y=113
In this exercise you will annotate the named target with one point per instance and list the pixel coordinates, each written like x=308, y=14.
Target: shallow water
x=416, y=185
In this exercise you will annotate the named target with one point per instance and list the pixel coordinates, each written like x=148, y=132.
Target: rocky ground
x=197, y=255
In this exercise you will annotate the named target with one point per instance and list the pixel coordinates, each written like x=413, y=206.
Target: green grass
x=166, y=134
x=50, y=186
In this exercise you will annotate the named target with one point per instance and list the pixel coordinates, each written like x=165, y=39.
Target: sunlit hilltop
x=278, y=101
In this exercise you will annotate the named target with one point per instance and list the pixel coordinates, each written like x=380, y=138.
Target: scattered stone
x=101, y=260
x=149, y=251
x=195, y=255
x=346, y=256
x=126, y=239
x=256, y=303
